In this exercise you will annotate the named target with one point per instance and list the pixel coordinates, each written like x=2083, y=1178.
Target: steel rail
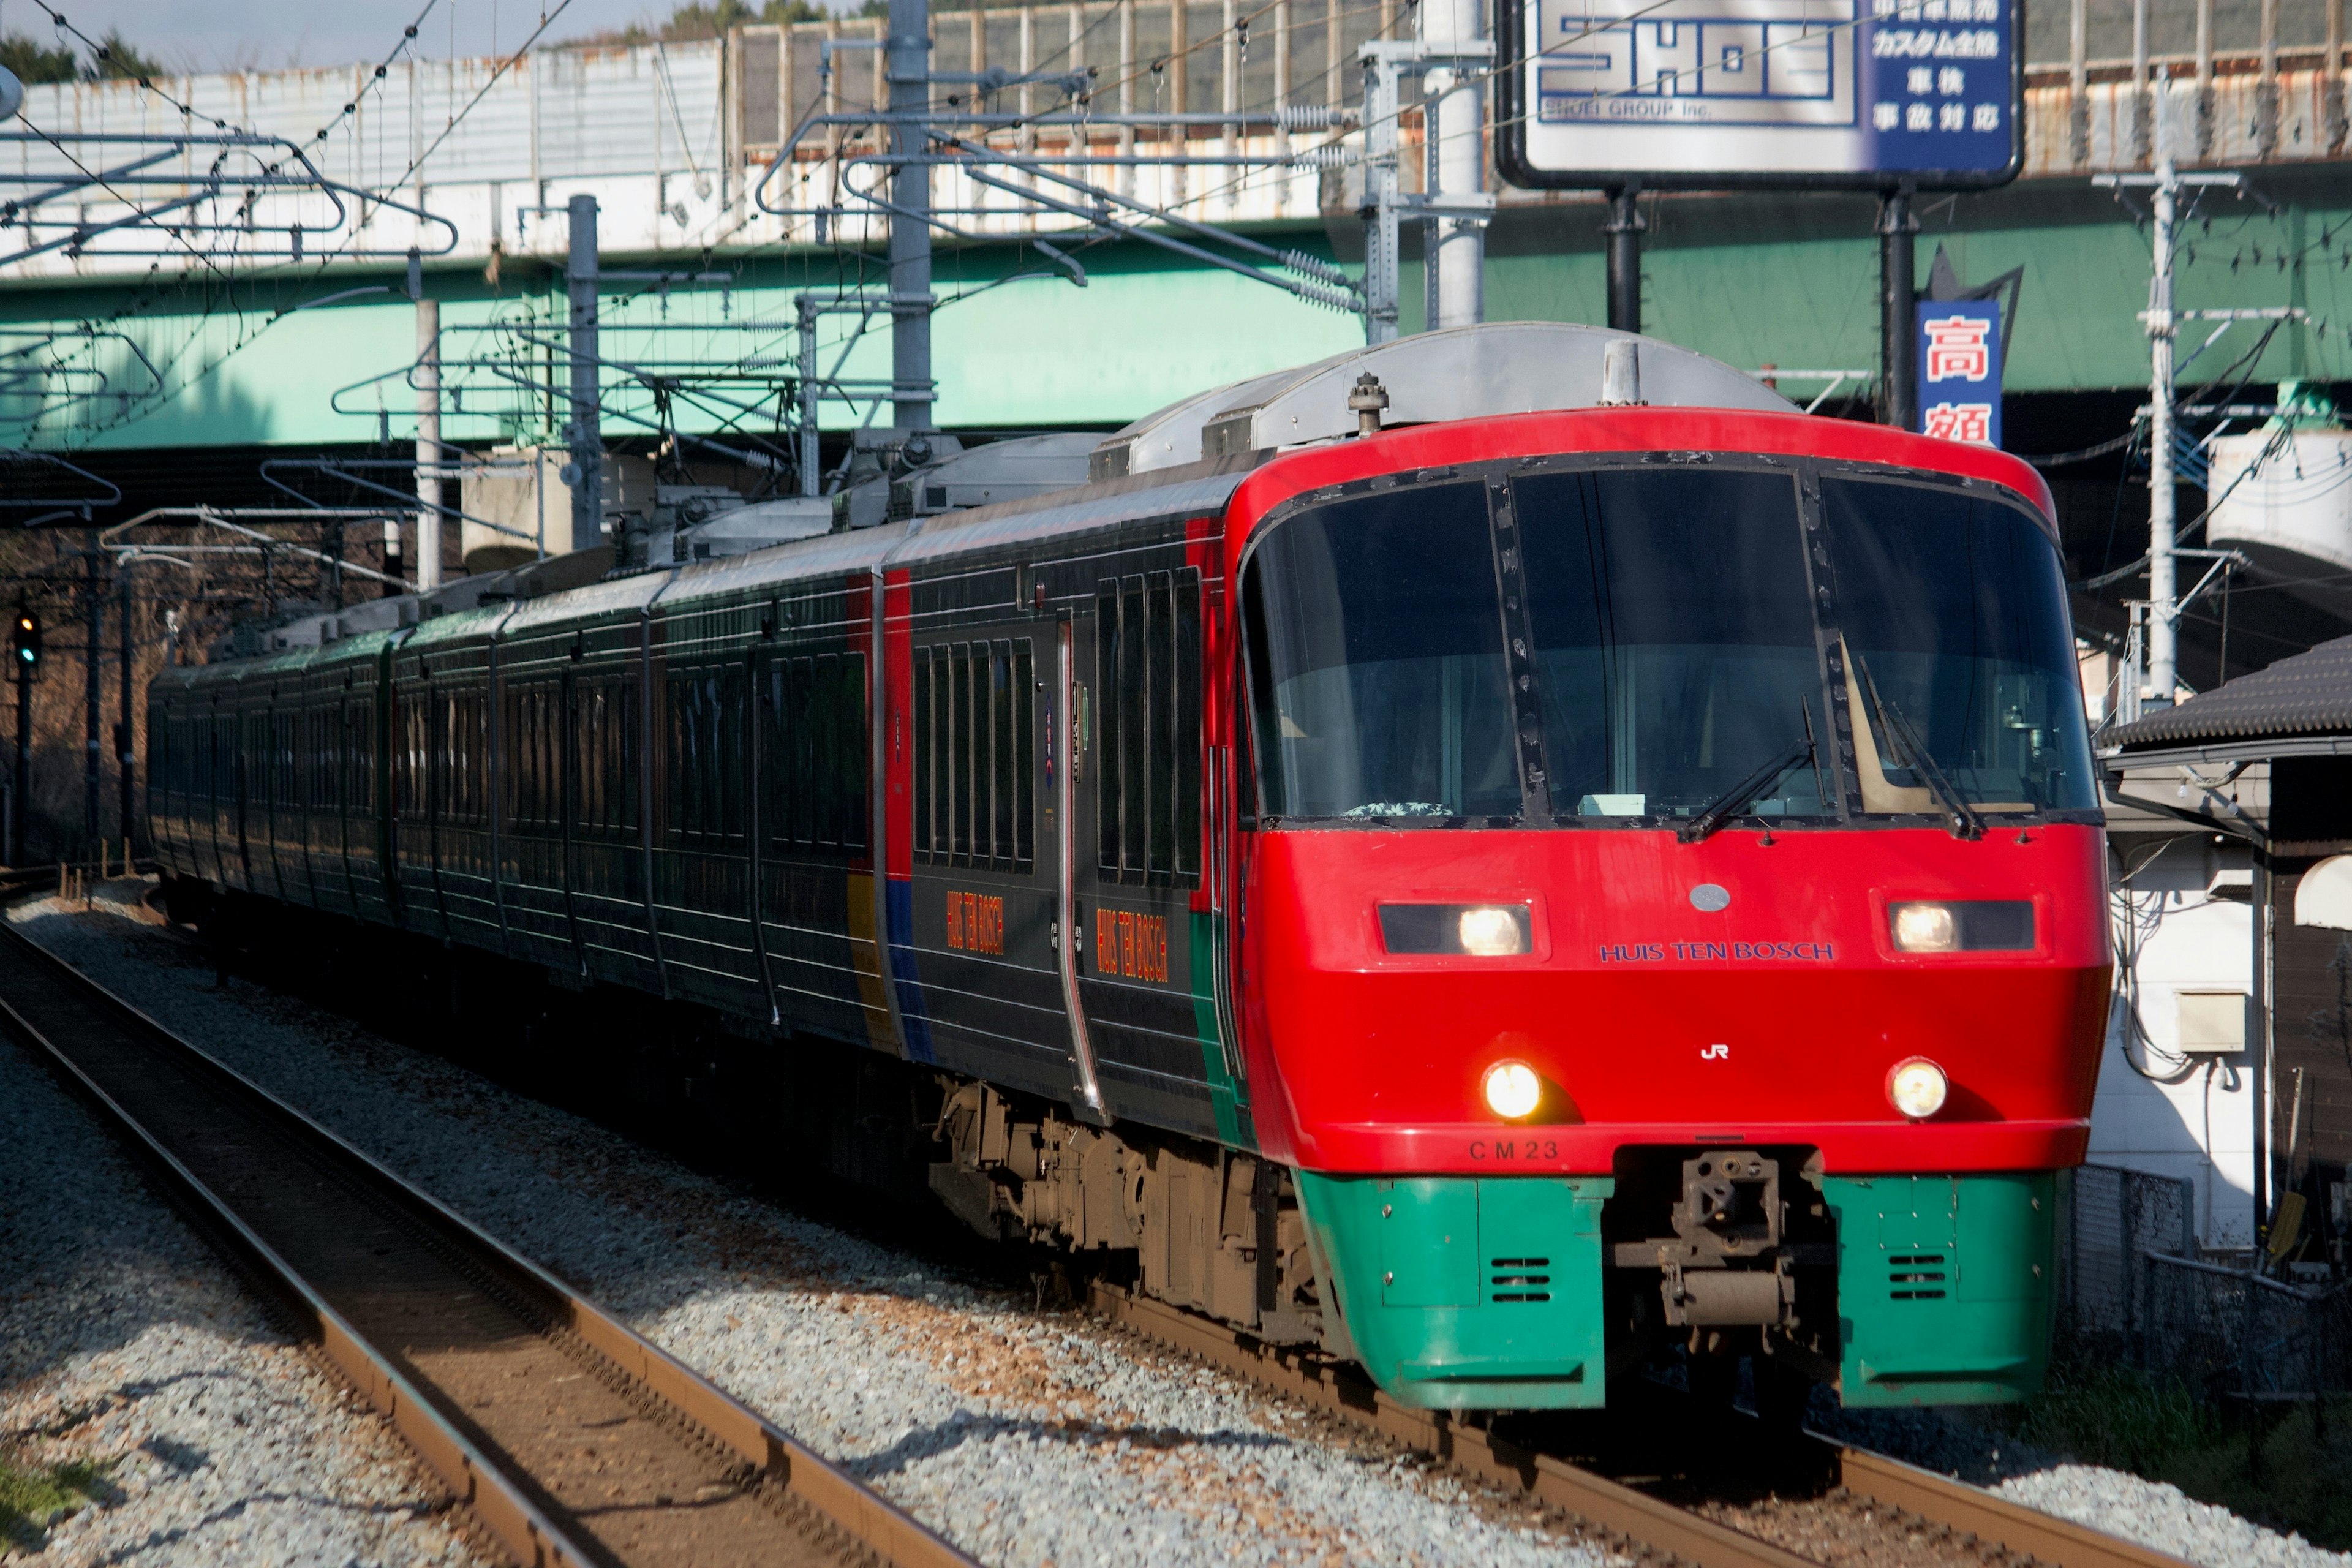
x=1994, y=1522
x=516, y=1512
x=1619, y=1514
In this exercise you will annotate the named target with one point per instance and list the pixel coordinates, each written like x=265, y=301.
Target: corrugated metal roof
x=2307, y=694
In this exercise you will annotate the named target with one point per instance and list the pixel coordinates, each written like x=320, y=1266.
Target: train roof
x=1465, y=372
x=1186, y=459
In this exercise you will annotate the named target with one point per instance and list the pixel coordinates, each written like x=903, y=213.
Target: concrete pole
x=125, y=761
x=586, y=429
x=908, y=58
x=93, y=606
x=1457, y=246
x=428, y=444
x=2163, y=616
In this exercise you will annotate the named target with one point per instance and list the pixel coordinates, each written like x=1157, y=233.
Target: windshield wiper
x=1965, y=822
x=1719, y=810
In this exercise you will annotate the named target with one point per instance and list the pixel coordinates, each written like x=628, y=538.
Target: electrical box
x=2211, y=1023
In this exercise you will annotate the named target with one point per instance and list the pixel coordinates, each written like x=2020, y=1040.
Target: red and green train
x=1509, y=891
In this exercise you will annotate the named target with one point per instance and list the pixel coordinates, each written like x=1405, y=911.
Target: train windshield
x=1378, y=641
x=1953, y=612
x=1675, y=639
x=1680, y=652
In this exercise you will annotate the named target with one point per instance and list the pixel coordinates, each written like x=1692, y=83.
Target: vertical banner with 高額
x=1959, y=370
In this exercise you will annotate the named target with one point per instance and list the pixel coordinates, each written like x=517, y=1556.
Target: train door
x=969, y=745
x=1145, y=939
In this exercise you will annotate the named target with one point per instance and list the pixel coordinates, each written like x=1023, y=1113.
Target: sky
x=229, y=35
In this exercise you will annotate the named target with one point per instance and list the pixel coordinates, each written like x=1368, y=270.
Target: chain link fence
x=2132, y=1290
x=2110, y=1219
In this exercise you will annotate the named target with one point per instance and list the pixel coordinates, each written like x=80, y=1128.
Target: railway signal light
x=25, y=642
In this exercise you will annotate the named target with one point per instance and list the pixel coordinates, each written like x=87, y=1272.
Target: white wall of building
x=2159, y=1108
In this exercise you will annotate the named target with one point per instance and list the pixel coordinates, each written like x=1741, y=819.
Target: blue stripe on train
x=899, y=899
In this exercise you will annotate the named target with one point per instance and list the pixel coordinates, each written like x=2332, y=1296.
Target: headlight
x=1926, y=928
x=1513, y=1089
x=1491, y=930
x=1963, y=925
x=1476, y=930
x=1918, y=1088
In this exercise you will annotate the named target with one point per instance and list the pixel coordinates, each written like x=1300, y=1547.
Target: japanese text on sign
x=1959, y=370
x=1778, y=91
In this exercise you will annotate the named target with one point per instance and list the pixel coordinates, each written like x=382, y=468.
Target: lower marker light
x=1918, y=1088
x=1513, y=1089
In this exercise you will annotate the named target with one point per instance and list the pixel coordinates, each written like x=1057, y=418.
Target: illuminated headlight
x=1513, y=1089
x=1926, y=928
x=1963, y=925
x=1476, y=930
x=1917, y=1087
x=1492, y=930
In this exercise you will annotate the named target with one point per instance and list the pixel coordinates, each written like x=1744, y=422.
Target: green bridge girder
x=1788, y=280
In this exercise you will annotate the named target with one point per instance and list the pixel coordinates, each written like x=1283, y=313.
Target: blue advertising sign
x=1959, y=370
x=1717, y=93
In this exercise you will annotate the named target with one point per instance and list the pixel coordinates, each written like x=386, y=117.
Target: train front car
x=1673, y=910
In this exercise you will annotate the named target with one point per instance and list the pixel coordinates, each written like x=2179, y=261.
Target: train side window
x=608, y=758
x=1134, y=697
x=1148, y=726
x=926, y=752
x=850, y=767
x=1024, y=755
x=815, y=767
x=973, y=735
x=699, y=810
x=359, y=754
x=1109, y=776
x=1000, y=732
x=1184, y=689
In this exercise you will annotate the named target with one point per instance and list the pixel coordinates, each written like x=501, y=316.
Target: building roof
x=2308, y=694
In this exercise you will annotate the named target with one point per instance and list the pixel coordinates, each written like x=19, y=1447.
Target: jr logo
x=1715, y=1053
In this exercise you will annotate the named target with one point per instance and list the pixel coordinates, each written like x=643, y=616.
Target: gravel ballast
x=1026, y=1437
x=130, y=1359
x=2154, y=1513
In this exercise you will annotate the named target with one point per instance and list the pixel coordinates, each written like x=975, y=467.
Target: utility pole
x=125, y=761
x=92, y=607
x=2162, y=320
x=1454, y=122
x=428, y=440
x=907, y=61
x=2163, y=517
x=586, y=431
x=1898, y=330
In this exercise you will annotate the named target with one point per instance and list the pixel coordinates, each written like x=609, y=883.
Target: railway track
x=1898, y=1512
x=568, y=1438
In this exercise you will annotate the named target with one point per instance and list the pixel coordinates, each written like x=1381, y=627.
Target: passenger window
x=1148, y=727
x=813, y=768
x=975, y=771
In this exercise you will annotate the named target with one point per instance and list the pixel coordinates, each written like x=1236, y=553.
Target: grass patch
x=2167, y=1431
x=32, y=1497
x=2113, y=1415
